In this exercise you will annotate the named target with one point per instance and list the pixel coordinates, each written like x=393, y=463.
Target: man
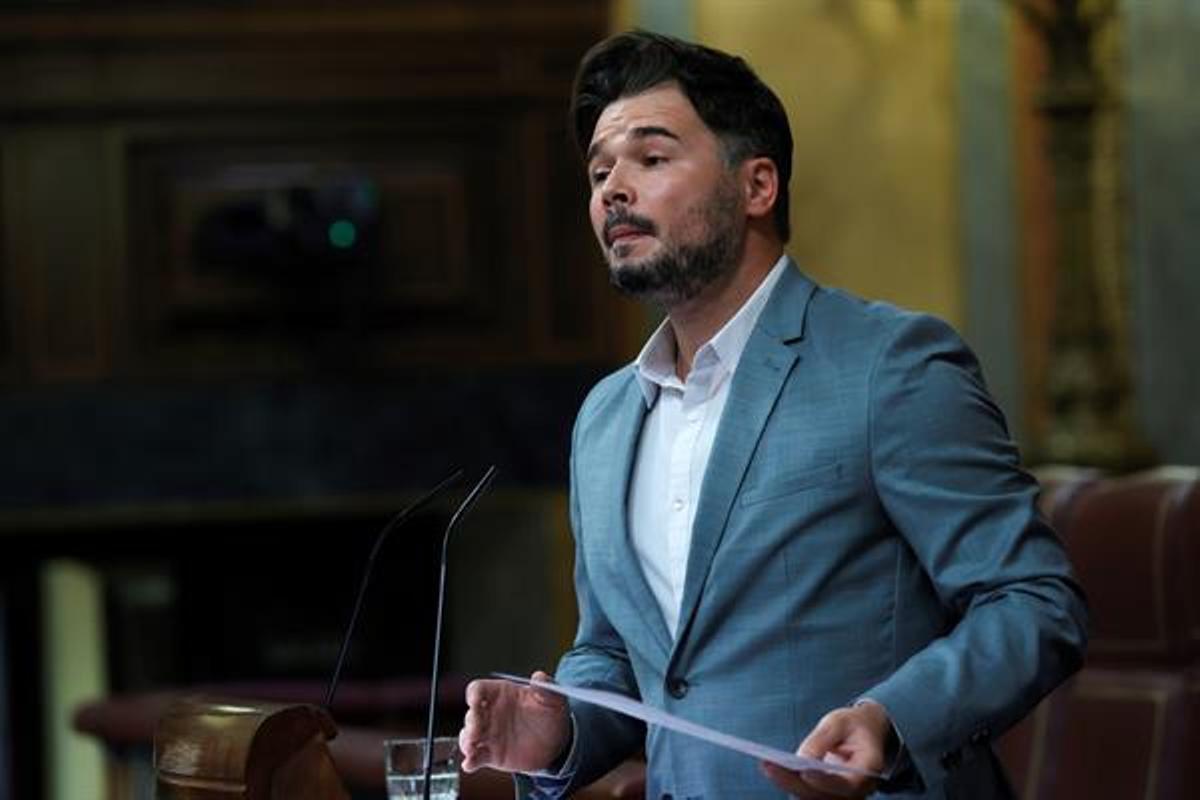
x=798, y=516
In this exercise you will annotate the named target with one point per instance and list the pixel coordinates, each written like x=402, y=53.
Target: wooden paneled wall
x=177, y=182
x=214, y=213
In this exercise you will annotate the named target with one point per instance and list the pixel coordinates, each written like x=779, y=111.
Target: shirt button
x=678, y=688
x=677, y=505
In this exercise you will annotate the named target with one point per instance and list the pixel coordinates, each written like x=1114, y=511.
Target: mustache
x=622, y=217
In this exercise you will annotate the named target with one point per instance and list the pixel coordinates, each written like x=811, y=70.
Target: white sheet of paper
x=653, y=716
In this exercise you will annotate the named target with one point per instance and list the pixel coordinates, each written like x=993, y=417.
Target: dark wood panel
x=58, y=238
x=200, y=120
x=125, y=21
x=56, y=63
x=7, y=367
x=234, y=236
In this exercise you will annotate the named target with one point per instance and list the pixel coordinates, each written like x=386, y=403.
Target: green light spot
x=343, y=234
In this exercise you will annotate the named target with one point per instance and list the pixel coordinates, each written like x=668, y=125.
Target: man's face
x=665, y=207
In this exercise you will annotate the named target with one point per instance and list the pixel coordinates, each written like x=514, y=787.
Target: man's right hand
x=512, y=727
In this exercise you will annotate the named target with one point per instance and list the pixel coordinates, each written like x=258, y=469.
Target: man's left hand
x=856, y=737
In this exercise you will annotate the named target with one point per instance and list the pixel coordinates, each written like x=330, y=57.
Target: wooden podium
x=214, y=749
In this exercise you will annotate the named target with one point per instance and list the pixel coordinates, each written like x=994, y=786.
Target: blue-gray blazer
x=863, y=530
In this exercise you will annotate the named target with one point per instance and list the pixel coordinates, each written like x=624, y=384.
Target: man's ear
x=760, y=182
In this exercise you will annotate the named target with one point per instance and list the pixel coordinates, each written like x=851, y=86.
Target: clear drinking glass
x=405, y=763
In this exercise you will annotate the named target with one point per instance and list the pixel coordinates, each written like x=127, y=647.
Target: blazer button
x=678, y=688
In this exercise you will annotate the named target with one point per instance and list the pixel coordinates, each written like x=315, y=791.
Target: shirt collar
x=655, y=364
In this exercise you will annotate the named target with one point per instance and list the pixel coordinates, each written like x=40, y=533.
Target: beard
x=682, y=270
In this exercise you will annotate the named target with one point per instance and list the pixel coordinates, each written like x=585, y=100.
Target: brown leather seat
x=1126, y=725
x=1135, y=542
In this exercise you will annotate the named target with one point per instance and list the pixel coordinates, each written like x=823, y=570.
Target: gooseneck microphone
x=395, y=522
x=465, y=507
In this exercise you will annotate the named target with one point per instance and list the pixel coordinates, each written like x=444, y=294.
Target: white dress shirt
x=676, y=440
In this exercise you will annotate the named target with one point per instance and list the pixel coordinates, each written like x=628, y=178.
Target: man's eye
x=651, y=161
x=599, y=175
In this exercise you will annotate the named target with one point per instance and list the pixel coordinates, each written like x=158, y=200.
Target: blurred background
x=268, y=269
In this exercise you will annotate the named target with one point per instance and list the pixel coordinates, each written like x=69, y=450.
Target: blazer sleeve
x=947, y=475
x=597, y=659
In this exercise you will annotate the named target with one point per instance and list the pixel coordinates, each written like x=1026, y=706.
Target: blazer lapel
x=761, y=374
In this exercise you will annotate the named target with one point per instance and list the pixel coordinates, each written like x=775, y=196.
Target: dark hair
x=731, y=100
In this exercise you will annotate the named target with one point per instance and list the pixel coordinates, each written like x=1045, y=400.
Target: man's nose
x=617, y=189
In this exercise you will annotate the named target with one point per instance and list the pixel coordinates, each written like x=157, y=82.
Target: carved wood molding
x=89, y=61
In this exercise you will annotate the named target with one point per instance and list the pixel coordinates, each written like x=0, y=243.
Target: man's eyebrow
x=646, y=131
x=640, y=132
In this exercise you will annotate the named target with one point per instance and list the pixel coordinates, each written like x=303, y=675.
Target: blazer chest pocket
x=792, y=483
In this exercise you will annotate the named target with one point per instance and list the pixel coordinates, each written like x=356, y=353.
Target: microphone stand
x=395, y=522
x=466, y=506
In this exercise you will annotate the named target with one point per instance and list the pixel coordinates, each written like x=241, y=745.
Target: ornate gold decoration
x=1088, y=388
